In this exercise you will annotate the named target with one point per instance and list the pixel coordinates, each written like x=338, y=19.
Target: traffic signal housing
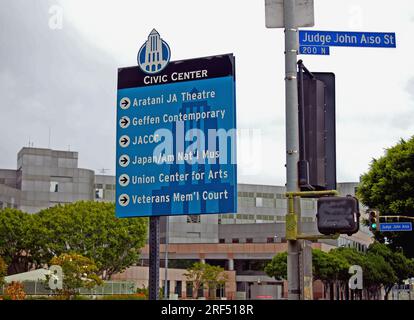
x=317, y=138
x=373, y=220
x=338, y=215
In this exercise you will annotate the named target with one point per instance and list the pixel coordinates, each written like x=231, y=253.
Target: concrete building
x=45, y=177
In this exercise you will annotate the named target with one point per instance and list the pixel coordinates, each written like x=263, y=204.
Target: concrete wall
x=50, y=177
x=104, y=188
x=8, y=178
x=9, y=197
x=185, y=229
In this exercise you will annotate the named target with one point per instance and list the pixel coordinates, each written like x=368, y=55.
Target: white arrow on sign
x=123, y=180
x=125, y=103
x=124, y=160
x=124, y=122
x=123, y=200
x=124, y=141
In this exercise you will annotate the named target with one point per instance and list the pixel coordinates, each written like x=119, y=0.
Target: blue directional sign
x=347, y=39
x=317, y=50
x=175, y=141
x=396, y=226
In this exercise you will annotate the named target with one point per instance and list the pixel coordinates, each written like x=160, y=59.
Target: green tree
x=403, y=268
x=330, y=269
x=277, y=268
x=92, y=230
x=17, y=239
x=389, y=187
x=377, y=271
x=195, y=275
x=214, y=277
x=78, y=272
x=3, y=271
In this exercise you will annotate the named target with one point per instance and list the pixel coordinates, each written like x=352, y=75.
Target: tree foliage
x=277, y=268
x=195, y=275
x=87, y=228
x=328, y=267
x=78, y=272
x=3, y=271
x=91, y=229
x=389, y=187
x=214, y=277
x=402, y=267
x=381, y=267
x=17, y=240
x=202, y=273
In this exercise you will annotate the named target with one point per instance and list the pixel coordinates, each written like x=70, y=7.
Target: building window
x=54, y=186
x=193, y=219
x=222, y=240
x=99, y=193
x=178, y=288
x=189, y=288
x=270, y=239
x=235, y=240
x=259, y=202
x=249, y=240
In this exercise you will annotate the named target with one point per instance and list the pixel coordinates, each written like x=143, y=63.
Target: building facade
x=45, y=177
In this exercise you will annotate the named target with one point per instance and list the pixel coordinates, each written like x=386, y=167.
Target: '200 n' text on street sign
x=347, y=39
x=396, y=226
x=317, y=50
x=176, y=151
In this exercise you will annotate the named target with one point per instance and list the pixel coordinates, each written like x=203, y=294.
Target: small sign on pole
x=396, y=226
x=318, y=50
x=304, y=13
x=347, y=39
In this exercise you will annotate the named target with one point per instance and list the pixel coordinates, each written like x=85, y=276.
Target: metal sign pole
x=292, y=138
x=154, y=258
x=167, y=234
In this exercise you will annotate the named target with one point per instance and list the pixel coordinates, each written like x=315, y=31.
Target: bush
x=15, y=291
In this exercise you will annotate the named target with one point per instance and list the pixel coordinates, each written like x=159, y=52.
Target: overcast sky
x=64, y=79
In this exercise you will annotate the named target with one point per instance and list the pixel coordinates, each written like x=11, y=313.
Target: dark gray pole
x=292, y=138
x=154, y=258
x=167, y=234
